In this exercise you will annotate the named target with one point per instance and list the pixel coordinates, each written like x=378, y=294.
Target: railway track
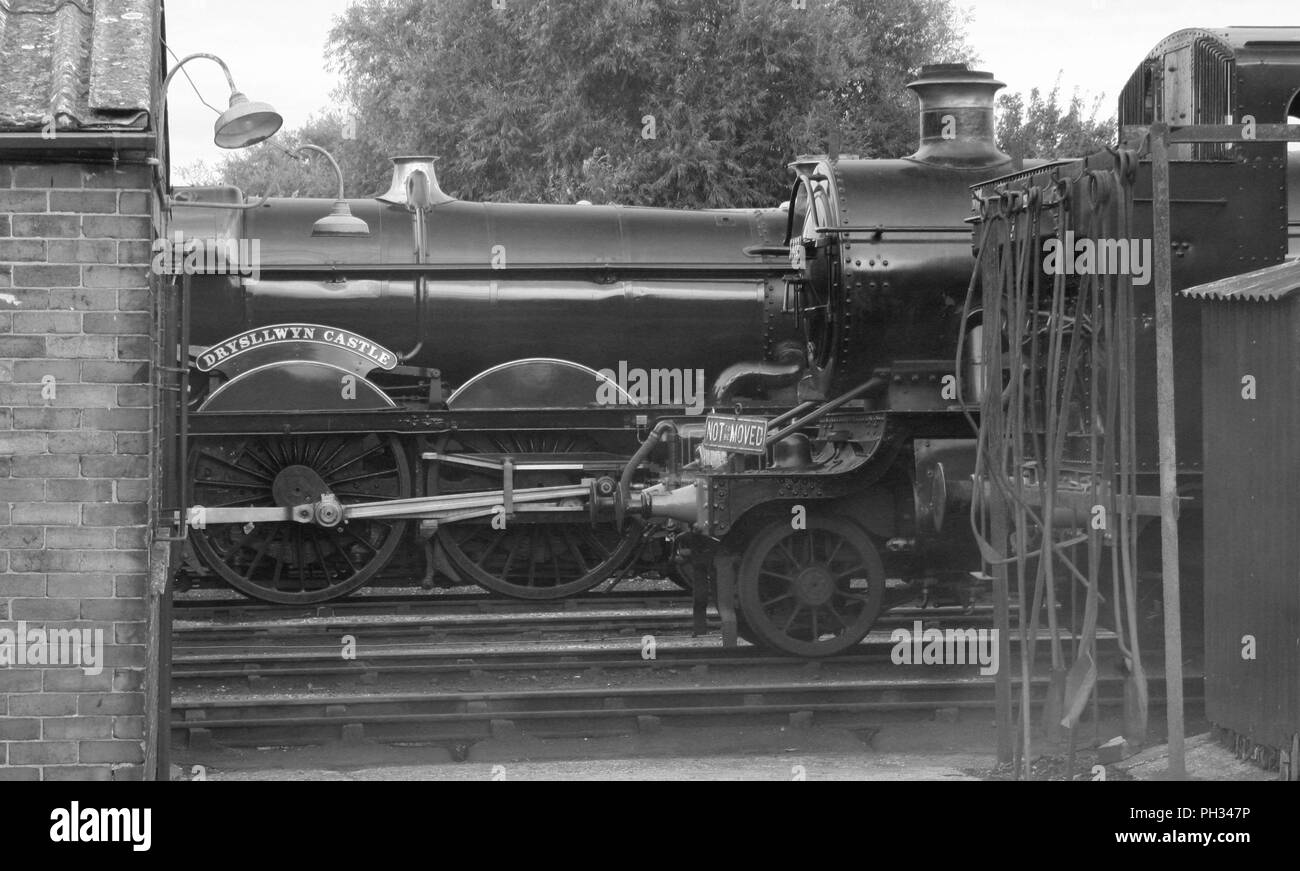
x=453, y=718
x=456, y=669
x=324, y=666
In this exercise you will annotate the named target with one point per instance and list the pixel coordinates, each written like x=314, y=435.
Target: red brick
x=82, y=299
x=80, y=442
x=134, y=491
x=47, y=276
x=81, y=347
x=20, y=537
x=81, y=584
x=129, y=586
x=6, y=176
x=130, y=633
x=63, y=728
x=134, y=348
x=138, y=253
x=22, y=346
x=112, y=751
x=49, y=514
x=22, y=490
x=78, y=490
x=135, y=203
x=22, y=442
x=105, y=372
x=47, y=322
x=46, y=226
x=117, y=419
x=18, y=394
x=113, y=609
x=20, y=680
x=49, y=175
x=68, y=539
x=104, y=202
x=32, y=371
x=115, y=276
x=75, y=680
x=129, y=539
x=125, y=655
x=84, y=251
x=115, y=467
x=12, y=250
x=25, y=298
x=47, y=418
x=42, y=609
x=128, y=680
x=43, y=705
x=24, y=201
x=135, y=396
x=115, y=515
x=11, y=774
x=117, y=323
x=19, y=729
x=117, y=227
x=44, y=753
x=77, y=773
x=137, y=177
x=128, y=727
x=115, y=704
x=78, y=561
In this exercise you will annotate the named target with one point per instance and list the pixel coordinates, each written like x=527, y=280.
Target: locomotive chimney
x=414, y=183
x=957, y=127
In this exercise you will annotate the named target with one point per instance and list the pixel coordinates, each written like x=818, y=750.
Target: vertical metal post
x=1168, y=450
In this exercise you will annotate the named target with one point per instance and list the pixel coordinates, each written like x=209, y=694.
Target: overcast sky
x=276, y=50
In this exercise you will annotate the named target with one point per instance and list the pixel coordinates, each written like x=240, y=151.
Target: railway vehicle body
x=468, y=348
x=502, y=443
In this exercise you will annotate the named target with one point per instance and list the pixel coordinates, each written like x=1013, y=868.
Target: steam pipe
x=786, y=370
x=872, y=386
x=741, y=376
x=625, y=480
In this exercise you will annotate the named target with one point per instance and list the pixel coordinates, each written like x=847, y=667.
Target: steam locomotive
x=510, y=395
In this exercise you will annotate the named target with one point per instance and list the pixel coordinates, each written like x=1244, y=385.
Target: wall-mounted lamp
x=340, y=221
x=246, y=122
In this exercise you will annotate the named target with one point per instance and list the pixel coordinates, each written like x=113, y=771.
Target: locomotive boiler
x=461, y=287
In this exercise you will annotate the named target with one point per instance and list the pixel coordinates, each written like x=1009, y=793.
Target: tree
x=687, y=103
x=1039, y=126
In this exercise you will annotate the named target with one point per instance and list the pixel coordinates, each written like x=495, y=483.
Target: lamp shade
x=340, y=222
x=246, y=123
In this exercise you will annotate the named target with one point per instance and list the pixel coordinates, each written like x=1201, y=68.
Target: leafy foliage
x=551, y=100
x=1040, y=126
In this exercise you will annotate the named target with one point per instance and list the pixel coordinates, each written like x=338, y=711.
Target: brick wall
x=75, y=305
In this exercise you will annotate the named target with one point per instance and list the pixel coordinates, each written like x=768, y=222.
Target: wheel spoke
x=496, y=542
x=794, y=612
x=238, y=468
x=361, y=456
x=365, y=476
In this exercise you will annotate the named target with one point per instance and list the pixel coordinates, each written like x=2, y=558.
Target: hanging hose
x=1066, y=353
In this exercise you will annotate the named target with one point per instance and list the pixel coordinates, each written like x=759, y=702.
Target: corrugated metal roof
x=1269, y=283
x=88, y=64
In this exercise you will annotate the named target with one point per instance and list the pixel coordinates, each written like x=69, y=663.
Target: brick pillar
x=76, y=338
